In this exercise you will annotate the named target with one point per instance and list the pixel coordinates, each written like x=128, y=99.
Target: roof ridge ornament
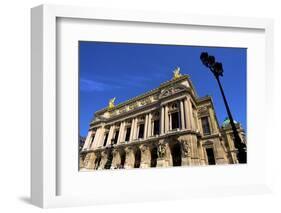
x=111, y=103
x=177, y=73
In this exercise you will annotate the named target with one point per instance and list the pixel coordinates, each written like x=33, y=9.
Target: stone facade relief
x=116, y=160
x=186, y=149
x=104, y=159
x=130, y=158
x=145, y=156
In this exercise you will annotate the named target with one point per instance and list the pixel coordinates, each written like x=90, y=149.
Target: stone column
x=201, y=154
x=191, y=115
x=145, y=156
x=100, y=138
x=145, y=126
x=195, y=159
x=196, y=121
x=162, y=124
x=96, y=140
x=130, y=158
x=187, y=114
x=135, y=129
x=132, y=129
x=110, y=134
x=121, y=132
x=116, y=160
x=149, y=130
x=213, y=123
x=182, y=115
x=170, y=121
x=166, y=119
x=88, y=140
x=152, y=128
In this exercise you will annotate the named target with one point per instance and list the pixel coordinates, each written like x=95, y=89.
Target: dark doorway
x=211, y=157
x=123, y=158
x=175, y=120
x=176, y=154
x=154, y=156
x=137, y=159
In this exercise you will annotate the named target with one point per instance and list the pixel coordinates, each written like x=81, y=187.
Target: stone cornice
x=144, y=95
x=141, y=109
x=145, y=141
x=206, y=137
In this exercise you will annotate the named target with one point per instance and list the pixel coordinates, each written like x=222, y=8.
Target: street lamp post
x=216, y=68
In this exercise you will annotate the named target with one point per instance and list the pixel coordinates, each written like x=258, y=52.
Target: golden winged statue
x=111, y=103
x=177, y=73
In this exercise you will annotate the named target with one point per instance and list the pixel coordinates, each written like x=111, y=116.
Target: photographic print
x=154, y=105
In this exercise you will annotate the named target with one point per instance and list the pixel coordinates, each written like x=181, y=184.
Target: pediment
x=172, y=90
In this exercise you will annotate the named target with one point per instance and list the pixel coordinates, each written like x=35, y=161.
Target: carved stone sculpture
x=161, y=150
x=186, y=148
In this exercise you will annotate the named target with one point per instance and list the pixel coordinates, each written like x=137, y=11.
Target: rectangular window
x=211, y=157
x=105, y=139
x=175, y=120
x=116, y=137
x=128, y=132
x=141, y=131
x=156, y=127
x=206, y=126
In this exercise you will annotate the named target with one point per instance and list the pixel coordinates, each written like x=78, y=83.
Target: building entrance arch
x=176, y=154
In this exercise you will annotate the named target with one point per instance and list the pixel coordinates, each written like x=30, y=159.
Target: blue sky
x=125, y=70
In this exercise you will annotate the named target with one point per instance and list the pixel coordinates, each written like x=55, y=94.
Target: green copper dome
x=226, y=122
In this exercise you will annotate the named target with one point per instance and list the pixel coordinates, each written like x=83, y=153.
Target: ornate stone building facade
x=167, y=126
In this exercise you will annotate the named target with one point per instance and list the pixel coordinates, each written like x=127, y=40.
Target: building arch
x=97, y=161
x=109, y=160
x=176, y=153
x=154, y=156
x=122, y=159
x=137, y=154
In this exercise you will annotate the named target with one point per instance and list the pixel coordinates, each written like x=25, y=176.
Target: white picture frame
x=44, y=149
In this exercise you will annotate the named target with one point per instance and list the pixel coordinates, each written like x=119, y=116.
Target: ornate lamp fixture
x=216, y=68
